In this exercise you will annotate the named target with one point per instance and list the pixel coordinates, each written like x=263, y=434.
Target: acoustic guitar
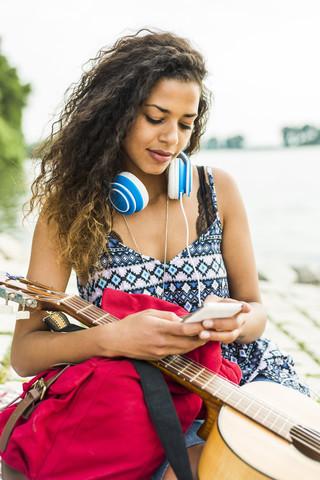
x=259, y=431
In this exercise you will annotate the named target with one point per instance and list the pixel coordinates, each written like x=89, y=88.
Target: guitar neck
x=85, y=312
x=203, y=380
x=208, y=385
x=183, y=370
x=186, y=371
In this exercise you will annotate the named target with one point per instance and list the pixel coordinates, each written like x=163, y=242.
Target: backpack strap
x=164, y=418
x=26, y=406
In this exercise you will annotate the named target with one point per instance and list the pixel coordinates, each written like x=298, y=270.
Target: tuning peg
x=30, y=302
x=12, y=296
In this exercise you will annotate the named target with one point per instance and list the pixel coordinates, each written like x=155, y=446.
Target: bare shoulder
x=223, y=179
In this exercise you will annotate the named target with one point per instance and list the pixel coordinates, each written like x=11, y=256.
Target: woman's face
x=163, y=126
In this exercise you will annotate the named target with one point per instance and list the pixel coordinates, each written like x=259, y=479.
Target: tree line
x=230, y=142
x=291, y=137
x=13, y=98
x=297, y=136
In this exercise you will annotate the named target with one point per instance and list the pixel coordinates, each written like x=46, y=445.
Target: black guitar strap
x=164, y=418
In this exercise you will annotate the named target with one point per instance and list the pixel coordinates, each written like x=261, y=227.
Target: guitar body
x=262, y=431
x=240, y=449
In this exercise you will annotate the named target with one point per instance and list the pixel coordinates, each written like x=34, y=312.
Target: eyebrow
x=164, y=110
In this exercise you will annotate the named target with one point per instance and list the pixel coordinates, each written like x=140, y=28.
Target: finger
x=183, y=329
x=163, y=315
x=246, y=307
x=178, y=345
x=225, y=324
x=223, y=337
x=214, y=298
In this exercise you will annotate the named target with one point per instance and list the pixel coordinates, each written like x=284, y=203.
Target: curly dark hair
x=84, y=150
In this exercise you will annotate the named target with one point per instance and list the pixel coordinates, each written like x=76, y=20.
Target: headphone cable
x=188, y=250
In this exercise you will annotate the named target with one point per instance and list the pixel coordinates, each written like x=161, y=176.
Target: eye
x=183, y=126
x=153, y=120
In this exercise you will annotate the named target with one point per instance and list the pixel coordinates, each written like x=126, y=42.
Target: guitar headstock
x=11, y=295
x=29, y=294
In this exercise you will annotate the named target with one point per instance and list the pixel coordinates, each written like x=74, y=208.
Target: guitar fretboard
x=180, y=367
x=197, y=375
x=229, y=393
x=84, y=311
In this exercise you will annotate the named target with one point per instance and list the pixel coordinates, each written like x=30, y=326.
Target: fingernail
x=204, y=334
x=208, y=323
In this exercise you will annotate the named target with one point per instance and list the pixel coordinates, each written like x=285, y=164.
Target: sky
x=262, y=55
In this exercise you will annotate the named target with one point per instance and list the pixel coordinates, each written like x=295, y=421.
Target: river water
x=280, y=188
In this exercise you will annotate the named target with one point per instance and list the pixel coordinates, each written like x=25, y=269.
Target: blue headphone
x=129, y=195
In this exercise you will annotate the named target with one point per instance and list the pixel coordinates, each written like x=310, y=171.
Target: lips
x=160, y=155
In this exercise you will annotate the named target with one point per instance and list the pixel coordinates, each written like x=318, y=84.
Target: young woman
x=142, y=108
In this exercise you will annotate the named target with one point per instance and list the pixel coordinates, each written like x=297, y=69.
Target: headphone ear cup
x=173, y=179
x=128, y=194
x=180, y=177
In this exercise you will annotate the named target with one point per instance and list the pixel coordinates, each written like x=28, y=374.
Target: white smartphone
x=213, y=310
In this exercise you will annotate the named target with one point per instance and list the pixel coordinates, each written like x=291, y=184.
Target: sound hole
x=307, y=441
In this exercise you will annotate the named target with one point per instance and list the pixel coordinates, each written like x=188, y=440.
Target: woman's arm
x=239, y=260
x=34, y=347
x=148, y=335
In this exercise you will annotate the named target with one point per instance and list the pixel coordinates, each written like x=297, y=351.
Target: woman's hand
x=150, y=335
x=225, y=330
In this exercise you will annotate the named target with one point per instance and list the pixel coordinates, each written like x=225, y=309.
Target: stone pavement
x=294, y=324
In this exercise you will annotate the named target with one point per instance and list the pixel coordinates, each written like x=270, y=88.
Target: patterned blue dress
x=178, y=281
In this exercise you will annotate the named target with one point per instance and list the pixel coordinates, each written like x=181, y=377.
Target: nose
x=169, y=134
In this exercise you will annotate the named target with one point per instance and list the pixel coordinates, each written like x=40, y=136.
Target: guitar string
x=315, y=447
x=307, y=442
x=303, y=434
x=313, y=438
x=98, y=314
x=253, y=400
x=308, y=430
x=57, y=293
x=96, y=311
x=180, y=361
x=76, y=301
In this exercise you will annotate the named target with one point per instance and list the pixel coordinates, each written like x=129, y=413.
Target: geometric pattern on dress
x=263, y=357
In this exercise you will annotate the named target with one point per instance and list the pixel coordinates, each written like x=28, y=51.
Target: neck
x=156, y=185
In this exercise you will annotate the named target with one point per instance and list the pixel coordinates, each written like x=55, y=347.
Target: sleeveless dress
x=177, y=282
